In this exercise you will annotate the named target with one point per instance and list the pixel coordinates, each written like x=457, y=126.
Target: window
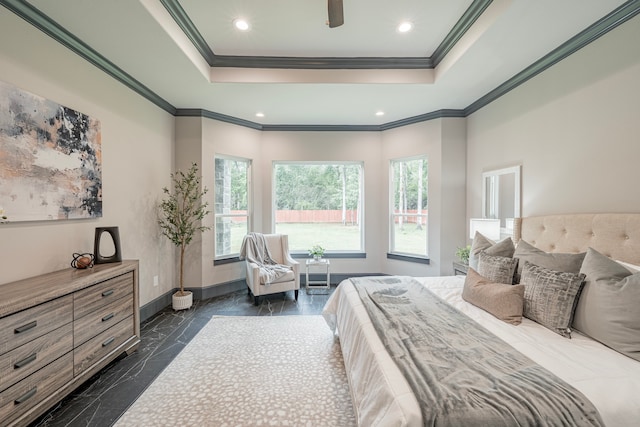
x=319, y=203
x=232, y=204
x=408, y=200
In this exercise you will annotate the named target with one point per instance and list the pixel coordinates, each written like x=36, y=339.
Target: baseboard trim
x=163, y=301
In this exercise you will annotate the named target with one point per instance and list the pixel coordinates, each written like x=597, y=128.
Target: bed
x=608, y=379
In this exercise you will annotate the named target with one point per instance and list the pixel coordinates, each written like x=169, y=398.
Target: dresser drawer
x=93, y=350
x=24, y=395
x=94, y=297
x=28, y=358
x=24, y=326
x=103, y=318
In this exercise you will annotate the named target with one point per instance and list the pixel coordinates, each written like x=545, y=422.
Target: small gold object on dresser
x=59, y=329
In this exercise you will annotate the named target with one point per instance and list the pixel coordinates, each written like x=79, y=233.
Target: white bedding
x=382, y=397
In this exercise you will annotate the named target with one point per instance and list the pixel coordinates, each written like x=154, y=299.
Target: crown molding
x=189, y=29
x=198, y=112
x=324, y=63
x=48, y=26
x=438, y=114
x=619, y=16
x=465, y=22
x=54, y=30
x=194, y=112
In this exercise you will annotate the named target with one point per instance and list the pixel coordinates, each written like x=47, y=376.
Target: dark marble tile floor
x=102, y=399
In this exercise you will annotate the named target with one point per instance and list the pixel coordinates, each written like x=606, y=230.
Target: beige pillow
x=481, y=243
x=504, y=301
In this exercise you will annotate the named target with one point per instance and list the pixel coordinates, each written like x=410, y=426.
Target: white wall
x=575, y=128
x=137, y=150
x=444, y=143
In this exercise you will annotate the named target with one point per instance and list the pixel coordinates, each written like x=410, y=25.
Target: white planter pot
x=182, y=302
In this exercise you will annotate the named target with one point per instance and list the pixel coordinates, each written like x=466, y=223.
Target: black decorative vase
x=98, y=258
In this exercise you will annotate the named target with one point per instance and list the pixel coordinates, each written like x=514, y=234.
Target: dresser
x=59, y=329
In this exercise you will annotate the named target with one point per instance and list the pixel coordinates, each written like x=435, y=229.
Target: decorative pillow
x=480, y=243
x=503, y=301
x=550, y=297
x=498, y=269
x=609, y=306
x=631, y=267
x=569, y=263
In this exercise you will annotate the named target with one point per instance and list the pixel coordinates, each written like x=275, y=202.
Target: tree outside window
x=408, y=206
x=232, y=203
x=319, y=203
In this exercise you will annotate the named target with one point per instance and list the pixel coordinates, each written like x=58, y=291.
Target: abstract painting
x=50, y=159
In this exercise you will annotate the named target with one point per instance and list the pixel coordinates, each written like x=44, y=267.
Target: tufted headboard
x=612, y=234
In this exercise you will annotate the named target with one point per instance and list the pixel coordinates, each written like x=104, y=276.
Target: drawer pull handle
x=25, y=361
x=108, y=317
x=25, y=328
x=28, y=395
x=107, y=342
x=107, y=293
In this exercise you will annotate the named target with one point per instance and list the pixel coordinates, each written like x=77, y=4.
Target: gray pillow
x=501, y=300
x=481, y=243
x=565, y=262
x=498, y=269
x=550, y=296
x=609, y=306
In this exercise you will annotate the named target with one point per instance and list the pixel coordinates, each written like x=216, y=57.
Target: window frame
x=230, y=257
x=392, y=252
x=330, y=253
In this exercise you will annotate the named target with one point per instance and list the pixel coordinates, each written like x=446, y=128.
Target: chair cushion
x=287, y=277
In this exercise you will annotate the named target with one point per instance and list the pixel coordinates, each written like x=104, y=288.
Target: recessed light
x=379, y=113
x=241, y=24
x=405, y=27
x=259, y=114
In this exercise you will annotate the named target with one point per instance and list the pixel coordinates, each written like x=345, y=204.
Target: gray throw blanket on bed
x=254, y=249
x=462, y=374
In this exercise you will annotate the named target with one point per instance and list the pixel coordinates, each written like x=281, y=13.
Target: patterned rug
x=251, y=371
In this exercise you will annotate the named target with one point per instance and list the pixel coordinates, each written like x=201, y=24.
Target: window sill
x=229, y=260
x=336, y=255
x=409, y=258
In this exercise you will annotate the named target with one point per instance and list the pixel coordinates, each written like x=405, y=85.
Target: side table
x=321, y=266
x=460, y=268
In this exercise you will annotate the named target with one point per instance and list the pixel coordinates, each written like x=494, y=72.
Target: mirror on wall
x=501, y=197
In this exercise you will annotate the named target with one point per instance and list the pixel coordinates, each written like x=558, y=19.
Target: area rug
x=251, y=371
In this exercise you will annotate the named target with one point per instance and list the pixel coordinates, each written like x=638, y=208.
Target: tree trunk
x=419, y=218
x=182, y=270
x=401, y=196
x=344, y=195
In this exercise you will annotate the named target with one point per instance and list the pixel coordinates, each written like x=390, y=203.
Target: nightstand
x=323, y=265
x=460, y=268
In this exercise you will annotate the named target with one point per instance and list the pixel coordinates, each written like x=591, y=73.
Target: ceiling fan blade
x=336, y=13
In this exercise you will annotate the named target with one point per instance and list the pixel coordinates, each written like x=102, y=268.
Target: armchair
x=277, y=247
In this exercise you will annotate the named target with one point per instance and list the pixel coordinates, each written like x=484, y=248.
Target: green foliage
x=316, y=251
x=182, y=211
x=316, y=187
x=408, y=186
x=463, y=254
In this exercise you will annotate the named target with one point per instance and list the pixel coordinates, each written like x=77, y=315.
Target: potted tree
x=181, y=213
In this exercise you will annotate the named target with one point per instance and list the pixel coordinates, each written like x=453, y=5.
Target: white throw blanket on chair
x=254, y=249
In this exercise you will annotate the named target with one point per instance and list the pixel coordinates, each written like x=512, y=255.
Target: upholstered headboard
x=612, y=234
